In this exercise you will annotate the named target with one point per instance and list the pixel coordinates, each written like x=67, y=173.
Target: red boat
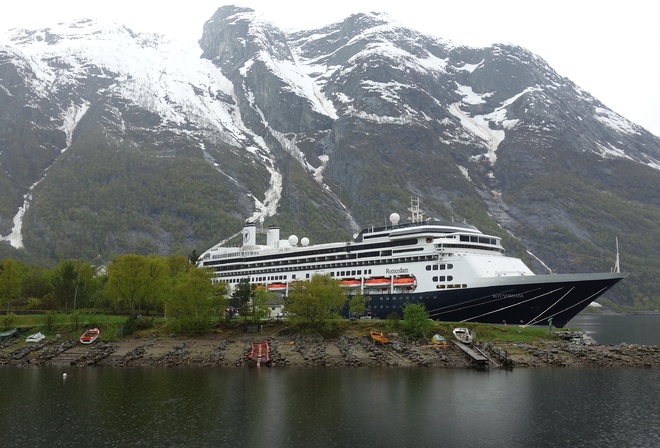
x=260, y=352
x=90, y=336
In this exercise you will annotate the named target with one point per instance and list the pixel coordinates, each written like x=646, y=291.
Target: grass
x=67, y=324
x=484, y=332
x=111, y=326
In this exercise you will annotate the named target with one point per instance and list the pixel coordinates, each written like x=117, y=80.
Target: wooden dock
x=478, y=360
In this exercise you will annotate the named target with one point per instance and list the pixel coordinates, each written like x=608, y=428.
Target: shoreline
x=574, y=349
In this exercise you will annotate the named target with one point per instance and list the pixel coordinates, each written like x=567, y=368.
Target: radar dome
x=293, y=240
x=394, y=218
x=304, y=241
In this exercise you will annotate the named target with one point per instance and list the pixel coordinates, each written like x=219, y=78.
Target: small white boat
x=36, y=337
x=464, y=335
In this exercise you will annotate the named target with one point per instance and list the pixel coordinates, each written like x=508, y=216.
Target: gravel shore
x=575, y=349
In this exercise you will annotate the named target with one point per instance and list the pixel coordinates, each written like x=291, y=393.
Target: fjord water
x=328, y=407
x=620, y=328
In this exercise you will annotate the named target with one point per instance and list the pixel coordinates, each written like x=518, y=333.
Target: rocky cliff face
x=114, y=141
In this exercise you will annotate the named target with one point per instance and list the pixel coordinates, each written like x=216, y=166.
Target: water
x=616, y=329
x=327, y=407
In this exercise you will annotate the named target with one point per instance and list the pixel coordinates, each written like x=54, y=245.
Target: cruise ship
x=457, y=272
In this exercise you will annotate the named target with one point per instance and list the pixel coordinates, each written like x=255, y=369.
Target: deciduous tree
x=135, y=281
x=416, y=320
x=315, y=301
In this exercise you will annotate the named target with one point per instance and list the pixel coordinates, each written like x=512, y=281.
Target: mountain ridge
x=132, y=142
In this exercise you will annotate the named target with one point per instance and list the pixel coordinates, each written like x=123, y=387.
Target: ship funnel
x=273, y=236
x=249, y=233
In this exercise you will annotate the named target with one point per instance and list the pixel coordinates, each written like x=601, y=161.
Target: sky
x=611, y=49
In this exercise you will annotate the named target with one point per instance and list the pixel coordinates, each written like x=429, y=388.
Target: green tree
x=259, y=304
x=315, y=301
x=136, y=281
x=37, y=284
x=12, y=273
x=358, y=304
x=68, y=282
x=65, y=282
x=416, y=320
x=194, y=299
x=242, y=296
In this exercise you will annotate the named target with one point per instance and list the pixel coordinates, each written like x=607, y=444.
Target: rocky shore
x=573, y=349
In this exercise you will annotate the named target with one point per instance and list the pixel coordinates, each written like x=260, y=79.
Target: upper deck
x=415, y=227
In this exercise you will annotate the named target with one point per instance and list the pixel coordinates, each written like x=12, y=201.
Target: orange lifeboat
x=350, y=283
x=404, y=281
x=377, y=282
x=277, y=287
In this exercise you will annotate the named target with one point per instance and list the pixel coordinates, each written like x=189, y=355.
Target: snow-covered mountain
x=114, y=141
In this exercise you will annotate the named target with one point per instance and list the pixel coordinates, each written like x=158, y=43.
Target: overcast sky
x=609, y=48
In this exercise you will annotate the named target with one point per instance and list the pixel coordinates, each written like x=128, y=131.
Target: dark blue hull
x=530, y=300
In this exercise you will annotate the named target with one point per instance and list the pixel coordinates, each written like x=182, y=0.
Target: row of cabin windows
x=441, y=267
x=469, y=246
x=478, y=239
x=442, y=278
x=404, y=299
x=271, y=278
x=318, y=255
x=221, y=270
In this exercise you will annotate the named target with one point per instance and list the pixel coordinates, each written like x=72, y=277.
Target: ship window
x=435, y=267
x=442, y=278
x=450, y=278
x=450, y=266
x=428, y=267
x=465, y=238
x=442, y=267
x=435, y=278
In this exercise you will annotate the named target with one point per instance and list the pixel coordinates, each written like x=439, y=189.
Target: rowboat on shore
x=90, y=336
x=378, y=337
x=464, y=335
x=36, y=337
x=438, y=340
x=8, y=334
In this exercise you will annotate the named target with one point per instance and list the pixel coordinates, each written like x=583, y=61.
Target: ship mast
x=416, y=214
x=617, y=266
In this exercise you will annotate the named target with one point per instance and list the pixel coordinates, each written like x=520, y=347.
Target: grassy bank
x=112, y=327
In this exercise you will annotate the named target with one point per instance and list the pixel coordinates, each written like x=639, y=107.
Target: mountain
x=113, y=141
